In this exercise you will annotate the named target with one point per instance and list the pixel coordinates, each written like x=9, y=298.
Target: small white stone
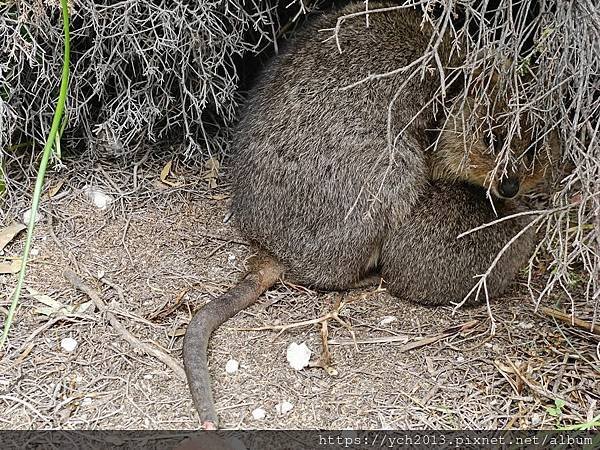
x=387, y=319
x=525, y=325
x=27, y=217
x=298, y=355
x=68, y=344
x=34, y=251
x=86, y=401
x=148, y=376
x=284, y=407
x=460, y=359
x=259, y=414
x=98, y=198
x=536, y=419
x=231, y=258
x=232, y=366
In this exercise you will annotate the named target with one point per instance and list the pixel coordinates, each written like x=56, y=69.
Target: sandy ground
x=159, y=252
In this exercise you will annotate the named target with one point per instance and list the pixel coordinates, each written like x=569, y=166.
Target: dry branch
x=120, y=328
x=571, y=320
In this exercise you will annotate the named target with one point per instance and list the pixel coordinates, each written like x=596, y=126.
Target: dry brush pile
x=141, y=72
x=146, y=70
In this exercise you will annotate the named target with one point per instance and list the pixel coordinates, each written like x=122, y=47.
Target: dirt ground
x=159, y=252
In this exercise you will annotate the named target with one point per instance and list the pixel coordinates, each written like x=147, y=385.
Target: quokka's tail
x=208, y=319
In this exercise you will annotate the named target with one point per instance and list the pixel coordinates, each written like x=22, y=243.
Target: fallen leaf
x=54, y=189
x=45, y=299
x=8, y=234
x=164, y=175
x=178, y=332
x=212, y=173
x=54, y=307
x=10, y=268
x=25, y=353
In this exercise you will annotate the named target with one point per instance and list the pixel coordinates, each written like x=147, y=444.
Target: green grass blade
x=39, y=182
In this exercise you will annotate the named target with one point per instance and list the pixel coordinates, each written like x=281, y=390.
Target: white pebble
x=27, y=217
x=284, y=408
x=298, y=355
x=536, y=419
x=68, y=344
x=232, y=366
x=525, y=325
x=259, y=414
x=231, y=258
x=86, y=401
x=460, y=359
x=148, y=376
x=34, y=251
x=98, y=198
x=387, y=319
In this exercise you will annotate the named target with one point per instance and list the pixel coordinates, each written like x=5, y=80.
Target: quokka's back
x=317, y=179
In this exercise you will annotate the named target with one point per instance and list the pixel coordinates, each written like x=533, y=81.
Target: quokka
x=327, y=198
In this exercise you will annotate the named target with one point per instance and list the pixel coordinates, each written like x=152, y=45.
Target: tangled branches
x=142, y=71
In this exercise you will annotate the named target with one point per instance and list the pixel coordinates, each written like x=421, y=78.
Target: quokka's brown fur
x=425, y=262
x=326, y=201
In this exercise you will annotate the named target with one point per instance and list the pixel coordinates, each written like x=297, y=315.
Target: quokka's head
x=477, y=150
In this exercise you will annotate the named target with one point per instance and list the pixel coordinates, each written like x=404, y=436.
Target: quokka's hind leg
x=424, y=261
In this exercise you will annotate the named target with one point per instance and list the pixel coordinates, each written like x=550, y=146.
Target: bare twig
x=571, y=320
x=130, y=338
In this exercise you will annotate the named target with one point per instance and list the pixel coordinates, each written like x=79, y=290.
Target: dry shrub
x=141, y=72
